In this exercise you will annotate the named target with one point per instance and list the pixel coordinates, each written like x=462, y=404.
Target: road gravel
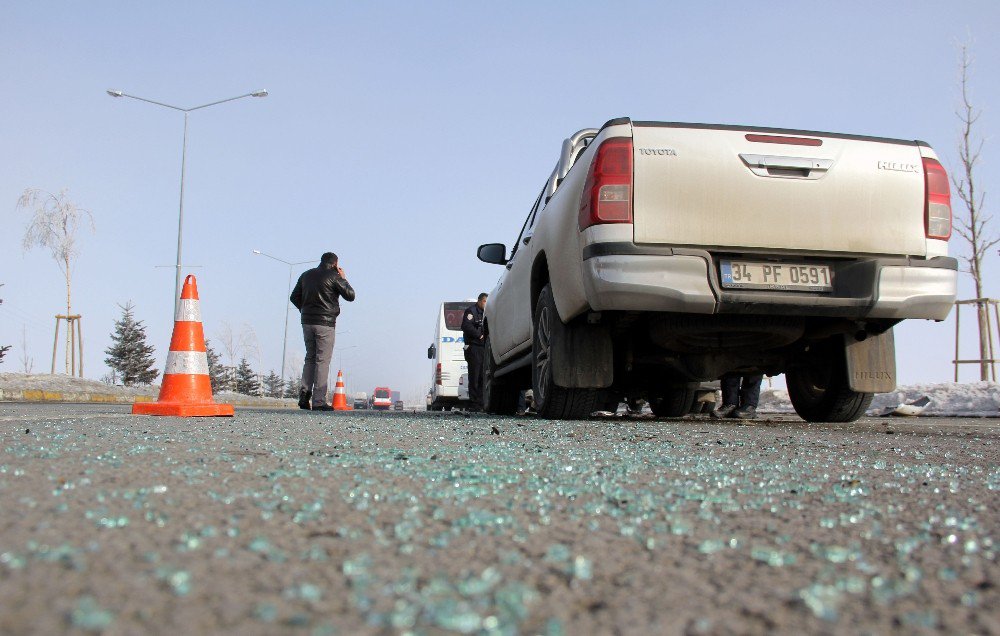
x=276, y=522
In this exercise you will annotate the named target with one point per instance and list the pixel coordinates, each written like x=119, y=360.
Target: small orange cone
x=339, y=395
x=186, y=390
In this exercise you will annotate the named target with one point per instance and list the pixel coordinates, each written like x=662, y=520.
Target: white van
x=448, y=366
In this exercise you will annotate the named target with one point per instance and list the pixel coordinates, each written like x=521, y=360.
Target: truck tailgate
x=716, y=187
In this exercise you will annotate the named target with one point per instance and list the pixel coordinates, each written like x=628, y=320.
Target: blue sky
x=402, y=135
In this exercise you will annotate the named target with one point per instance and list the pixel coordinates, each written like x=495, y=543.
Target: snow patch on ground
x=975, y=399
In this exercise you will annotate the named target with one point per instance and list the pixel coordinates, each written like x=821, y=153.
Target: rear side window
x=453, y=313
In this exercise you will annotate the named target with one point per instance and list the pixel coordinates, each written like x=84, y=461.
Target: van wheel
x=551, y=400
x=674, y=401
x=819, y=388
x=498, y=396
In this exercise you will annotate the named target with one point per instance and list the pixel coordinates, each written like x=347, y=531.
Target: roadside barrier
x=186, y=390
x=340, y=395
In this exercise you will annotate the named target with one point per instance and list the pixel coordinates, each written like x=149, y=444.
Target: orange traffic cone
x=186, y=390
x=339, y=395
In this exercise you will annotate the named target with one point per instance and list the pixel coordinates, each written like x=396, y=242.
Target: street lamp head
x=261, y=93
x=255, y=251
x=115, y=93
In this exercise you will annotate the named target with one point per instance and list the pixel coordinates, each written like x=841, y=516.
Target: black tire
x=498, y=396
x=819, y=389
x=673, y=402
x=554, y=402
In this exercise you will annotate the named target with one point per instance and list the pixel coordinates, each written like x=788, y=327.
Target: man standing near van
x=317, y=297
x=472, y=334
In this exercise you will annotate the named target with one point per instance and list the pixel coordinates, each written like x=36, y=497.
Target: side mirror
x=430, y=352
x=493, y=253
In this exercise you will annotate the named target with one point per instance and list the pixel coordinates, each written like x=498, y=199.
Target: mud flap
x=871, y=363
x=582, y=356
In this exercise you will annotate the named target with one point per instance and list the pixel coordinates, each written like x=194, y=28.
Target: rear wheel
x=552, y=401
x=675, y=401
x=498, y=396
x=819, y=389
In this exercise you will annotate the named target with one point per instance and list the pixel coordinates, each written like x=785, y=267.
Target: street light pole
x=284, y=340
x=180, y=215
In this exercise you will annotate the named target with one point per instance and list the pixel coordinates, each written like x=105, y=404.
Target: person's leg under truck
x=474, y=356
x=730, y=383
x=750, y=390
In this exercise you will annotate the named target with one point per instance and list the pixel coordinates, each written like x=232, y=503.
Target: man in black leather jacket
x=317, y=297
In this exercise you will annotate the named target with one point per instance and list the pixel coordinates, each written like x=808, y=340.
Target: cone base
x=183, y=410
x=342, y=408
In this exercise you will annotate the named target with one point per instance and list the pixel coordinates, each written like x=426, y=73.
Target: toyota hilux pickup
x=659, y=255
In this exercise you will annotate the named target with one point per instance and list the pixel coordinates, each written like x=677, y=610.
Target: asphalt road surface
x=278, y=522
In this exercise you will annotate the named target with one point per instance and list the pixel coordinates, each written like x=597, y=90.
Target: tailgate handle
x=786, y=167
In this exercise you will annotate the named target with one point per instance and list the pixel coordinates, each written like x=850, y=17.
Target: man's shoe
x=726, y=410
x=745, y=413
x=304, y=398
x=323, y=407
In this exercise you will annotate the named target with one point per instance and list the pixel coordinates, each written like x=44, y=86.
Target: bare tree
x=250, y=344
x=3, y=348
x=27, y=362
x=54, y=223
x=229, y=342
x=971, y=224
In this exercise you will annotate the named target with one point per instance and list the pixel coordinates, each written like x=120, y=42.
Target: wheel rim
x=542, y=354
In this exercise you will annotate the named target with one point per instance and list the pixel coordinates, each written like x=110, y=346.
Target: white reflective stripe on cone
x=189, y=310
x=187, y=362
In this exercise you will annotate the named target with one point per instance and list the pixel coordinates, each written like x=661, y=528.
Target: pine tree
x=246, y=380
x=216, y=372
x=129, y=357
x=273, y=385
x=292, y=387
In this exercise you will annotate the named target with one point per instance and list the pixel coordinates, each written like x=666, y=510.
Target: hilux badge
x=897, y=167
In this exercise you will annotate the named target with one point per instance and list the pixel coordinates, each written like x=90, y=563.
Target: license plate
x=777, y=276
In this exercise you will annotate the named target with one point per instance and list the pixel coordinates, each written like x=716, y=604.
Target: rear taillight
x=607, y=195
x=937, y=200
x=437, y=374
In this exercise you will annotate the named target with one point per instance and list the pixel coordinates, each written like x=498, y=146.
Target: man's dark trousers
x=746, y=395
x=319, y=341
x=474, y=356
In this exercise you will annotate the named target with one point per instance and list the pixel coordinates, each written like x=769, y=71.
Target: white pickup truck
x=659, y=255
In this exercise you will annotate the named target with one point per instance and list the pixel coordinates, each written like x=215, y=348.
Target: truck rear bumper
x=627, y=277
x=915, y=292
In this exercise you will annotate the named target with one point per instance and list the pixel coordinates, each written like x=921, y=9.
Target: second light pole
x=284, y=340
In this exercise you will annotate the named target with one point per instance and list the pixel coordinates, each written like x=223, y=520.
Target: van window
x=381, y=393
x=453, y=313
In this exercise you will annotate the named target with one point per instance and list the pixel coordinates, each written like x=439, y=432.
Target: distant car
x=399, y=405
x=360, y=403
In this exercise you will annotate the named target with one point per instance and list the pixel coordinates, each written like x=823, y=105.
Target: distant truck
x=361, y=400
x=382, y=399
x=447, y=356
